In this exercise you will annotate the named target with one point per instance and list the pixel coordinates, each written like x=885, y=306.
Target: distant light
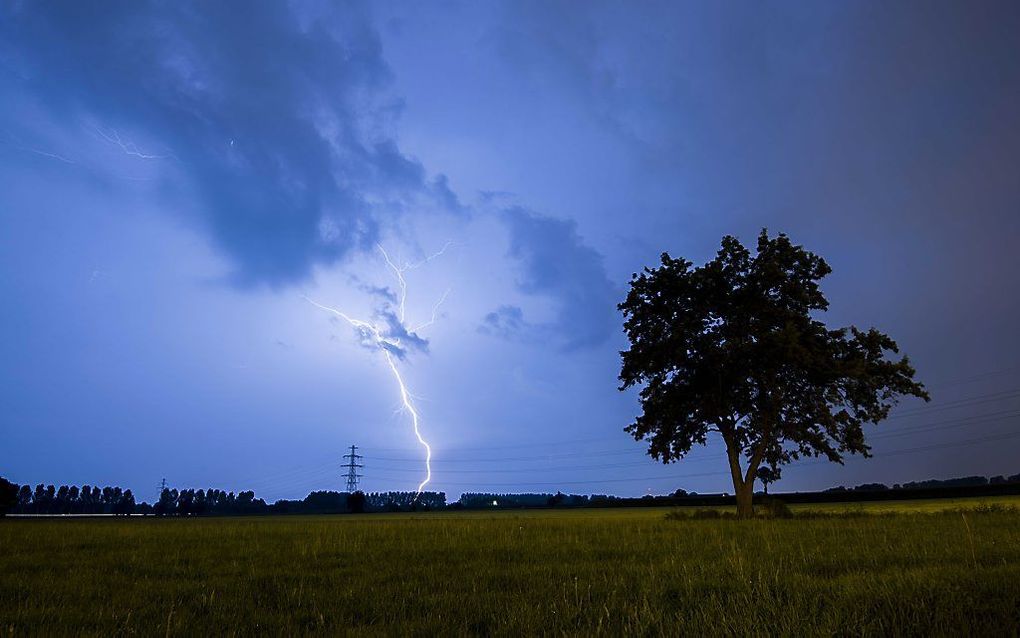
x=495, y=503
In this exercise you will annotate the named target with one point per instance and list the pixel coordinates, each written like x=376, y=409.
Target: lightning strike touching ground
x=409, y=406
x=379, y=336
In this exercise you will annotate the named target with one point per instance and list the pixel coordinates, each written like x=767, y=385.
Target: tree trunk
x=743, y=487
x=745, y=499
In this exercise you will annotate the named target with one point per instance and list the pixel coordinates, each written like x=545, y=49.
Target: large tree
x=735, y=347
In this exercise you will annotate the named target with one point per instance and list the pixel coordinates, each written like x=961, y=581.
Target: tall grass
x=616, y=572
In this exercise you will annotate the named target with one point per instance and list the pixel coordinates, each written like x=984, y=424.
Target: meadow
x=896, y=568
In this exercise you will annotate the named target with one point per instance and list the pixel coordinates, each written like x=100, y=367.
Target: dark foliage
x=8, y=496
x=963, y=481
x=733, y=347
x=404, y=501
x=47, y=499
x=191, y=502
x=930, y=484
x=775, y=508
x=487, y=500
x=356, y=503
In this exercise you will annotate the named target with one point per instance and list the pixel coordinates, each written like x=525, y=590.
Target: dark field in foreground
x=609, y=571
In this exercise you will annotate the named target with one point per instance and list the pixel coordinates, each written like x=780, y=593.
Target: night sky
x=175, y=178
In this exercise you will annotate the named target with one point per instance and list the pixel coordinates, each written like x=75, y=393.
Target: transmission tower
x=352, y=466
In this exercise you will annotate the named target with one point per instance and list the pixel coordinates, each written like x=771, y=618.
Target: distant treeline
x=43, y=499
x=963, y=481
x=65, y=499
x=484, y=500
x=328, y=502
x=196, y=502
x=47, y=499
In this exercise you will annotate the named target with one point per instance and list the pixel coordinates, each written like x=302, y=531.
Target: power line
x=981, y=418
x=508, y=447
x=309, y=476
x=976, y=377
x=990, y=417
x=987, y=418
x=672, y=477
x=960, y=403
x=319, y=477
x=926, y=448
x=604, y=466
x=304, y=475
x=561, y=455
x=919, y=411
x=284, y=475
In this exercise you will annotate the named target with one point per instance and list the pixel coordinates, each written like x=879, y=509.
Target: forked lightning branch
x=390, y=334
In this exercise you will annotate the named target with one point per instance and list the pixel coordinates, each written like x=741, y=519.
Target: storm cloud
x=555, y=262
x=276, y=120
x=150, y=148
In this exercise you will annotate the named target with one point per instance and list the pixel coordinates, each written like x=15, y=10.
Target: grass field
x=914, y=570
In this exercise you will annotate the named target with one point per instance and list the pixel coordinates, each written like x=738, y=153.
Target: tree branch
x=759, y=452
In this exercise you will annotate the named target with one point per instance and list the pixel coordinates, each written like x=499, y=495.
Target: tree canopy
x=8, y=495
x=734, y=347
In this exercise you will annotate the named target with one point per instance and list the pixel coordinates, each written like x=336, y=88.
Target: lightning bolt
x=129, y=147
x=435, y=310
x=373, y=335
x=14, y=143
x=405, y=396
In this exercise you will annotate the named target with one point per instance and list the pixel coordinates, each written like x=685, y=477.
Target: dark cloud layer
x=277, y=119
x=398, y=332
x=884, y=136
x=555, y=262
x=505, y=322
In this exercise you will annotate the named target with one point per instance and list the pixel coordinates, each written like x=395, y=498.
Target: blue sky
x=176, y=177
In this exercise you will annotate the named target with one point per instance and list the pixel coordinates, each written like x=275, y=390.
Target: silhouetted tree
x=50, y=500
x=767, y=475
x=167, y=503
x=8, y=495
x=125, y=503
x=731, y=347
x=871, y=487
x=184, y=501
x=25, y=498
x=198, y=505
x=356, y=502
x=39, y=499
x=62, y=504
